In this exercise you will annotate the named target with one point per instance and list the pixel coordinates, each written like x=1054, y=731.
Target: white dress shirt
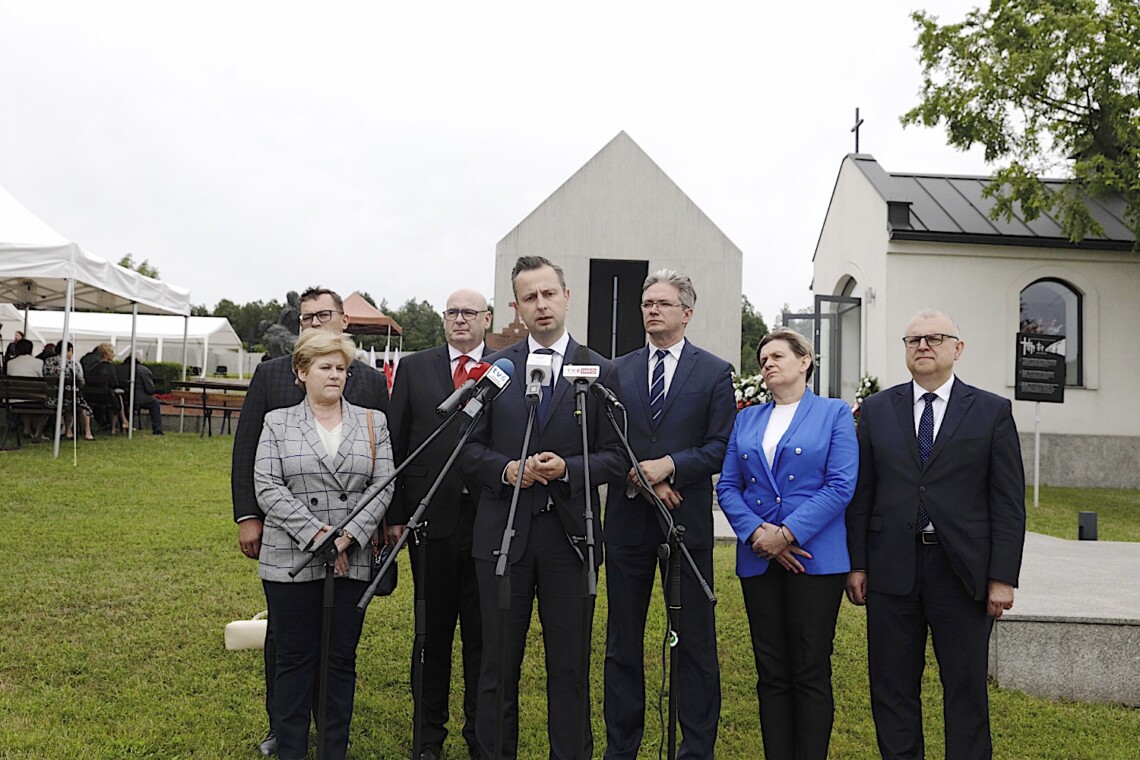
x=474, y=356
x=672, y=356
x=939, y=404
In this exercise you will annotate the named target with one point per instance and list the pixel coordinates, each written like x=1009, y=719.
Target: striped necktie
x=657, y=386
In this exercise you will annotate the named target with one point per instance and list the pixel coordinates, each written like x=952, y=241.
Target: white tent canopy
x=40, y=268
x=36, y=263
x=210, y=340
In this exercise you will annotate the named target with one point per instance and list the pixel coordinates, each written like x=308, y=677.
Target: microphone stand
x=589, y=568
x=326, y=550
x=503, y=573
x=672, y=551
x=419, y=529
x=328, y=557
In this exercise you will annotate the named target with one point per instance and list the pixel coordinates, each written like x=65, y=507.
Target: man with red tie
x=425, y=379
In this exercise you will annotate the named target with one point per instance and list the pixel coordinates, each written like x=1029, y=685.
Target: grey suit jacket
x=299, y=492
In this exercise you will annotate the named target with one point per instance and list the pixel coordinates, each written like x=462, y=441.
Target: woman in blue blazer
x=789, y=473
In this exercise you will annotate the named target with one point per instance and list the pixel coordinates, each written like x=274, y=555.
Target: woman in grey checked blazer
x=315, y=462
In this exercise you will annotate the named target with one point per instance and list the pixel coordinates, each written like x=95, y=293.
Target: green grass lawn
x=120, y=574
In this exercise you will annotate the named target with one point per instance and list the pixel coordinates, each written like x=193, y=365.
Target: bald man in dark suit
x=935, y=531
x=425, y=379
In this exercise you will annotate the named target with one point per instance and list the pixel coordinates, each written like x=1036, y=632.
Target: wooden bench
x=22, y=396
x=213, y=396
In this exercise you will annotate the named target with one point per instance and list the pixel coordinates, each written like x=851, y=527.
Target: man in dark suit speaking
x=935, y=532
x=681, y=408
x=425, y=379
x=273, y=386
x=548, y=549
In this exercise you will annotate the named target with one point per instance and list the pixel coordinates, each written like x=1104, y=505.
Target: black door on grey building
x=614, y=320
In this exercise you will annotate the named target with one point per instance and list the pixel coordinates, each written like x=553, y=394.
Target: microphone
x=581, y=371
x=463, y=392
x=539, y=367
x=494, y=381
x=605, y=394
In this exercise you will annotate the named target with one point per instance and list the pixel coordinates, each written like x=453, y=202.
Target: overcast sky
x=251, y=148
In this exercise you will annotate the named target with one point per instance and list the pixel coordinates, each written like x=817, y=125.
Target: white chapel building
x=895, y=243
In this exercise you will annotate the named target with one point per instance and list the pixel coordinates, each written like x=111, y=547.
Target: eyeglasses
x=468, y=314
x=650, y=305
x=317, y=317
x=933, y=340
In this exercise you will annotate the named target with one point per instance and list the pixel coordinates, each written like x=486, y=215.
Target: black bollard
x=1086, y=526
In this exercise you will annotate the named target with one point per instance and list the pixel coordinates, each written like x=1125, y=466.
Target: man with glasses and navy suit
x=425, y=379
x=935, y=532
x=681, y=407
x=274, y=386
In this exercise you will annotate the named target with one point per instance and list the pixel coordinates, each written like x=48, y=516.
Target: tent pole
x=185, y=338
x=205, y=354
x=62, y=351
x=131, y=412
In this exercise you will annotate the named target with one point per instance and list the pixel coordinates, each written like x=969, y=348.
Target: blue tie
x=547, y=391
x=925, y=446
x=657, y=386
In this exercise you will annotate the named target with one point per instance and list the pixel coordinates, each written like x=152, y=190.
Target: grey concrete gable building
x=615, y=220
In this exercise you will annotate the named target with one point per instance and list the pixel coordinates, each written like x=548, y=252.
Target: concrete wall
x=622, y=206
x=1084, y=461
x=1081, y=660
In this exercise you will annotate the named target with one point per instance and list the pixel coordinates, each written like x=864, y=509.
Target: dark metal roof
x=951, y=208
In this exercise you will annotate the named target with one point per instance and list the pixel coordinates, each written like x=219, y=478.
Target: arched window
x=1054, y=307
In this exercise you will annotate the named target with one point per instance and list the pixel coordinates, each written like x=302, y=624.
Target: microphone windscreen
x=477, y=370
x=582, y=355
x=505, y=365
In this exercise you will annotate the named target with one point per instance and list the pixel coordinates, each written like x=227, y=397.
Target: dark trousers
x=896, y=654
x=630, y=571
x=295, y=609
x=551, y=569
x=270, y=670
x=154, y=406
x=452, y=595
x=792, y=621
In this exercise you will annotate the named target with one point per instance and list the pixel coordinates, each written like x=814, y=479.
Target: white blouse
x=778, y=423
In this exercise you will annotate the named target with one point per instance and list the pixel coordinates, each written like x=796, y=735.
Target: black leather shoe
x=268, y=746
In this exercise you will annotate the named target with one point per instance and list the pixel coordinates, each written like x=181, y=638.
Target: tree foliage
x=421, y=322
x=143, y=267
x=249, y=320
x=752, y=329
x=1041, y=85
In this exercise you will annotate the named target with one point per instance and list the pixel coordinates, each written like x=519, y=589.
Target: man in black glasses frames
x=935, y=531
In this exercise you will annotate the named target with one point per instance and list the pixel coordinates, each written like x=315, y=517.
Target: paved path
x=722, y=531
x=1086, y=580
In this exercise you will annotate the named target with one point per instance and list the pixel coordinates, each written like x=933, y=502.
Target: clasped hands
x=542, y=467
x=776, y=542
x=342, y=543
x=657, y=472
